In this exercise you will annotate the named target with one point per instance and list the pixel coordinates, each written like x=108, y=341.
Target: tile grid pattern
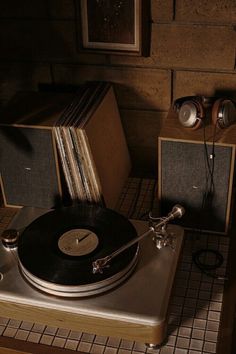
x=195, y=305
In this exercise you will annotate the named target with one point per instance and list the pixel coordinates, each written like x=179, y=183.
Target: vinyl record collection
x=73, y=144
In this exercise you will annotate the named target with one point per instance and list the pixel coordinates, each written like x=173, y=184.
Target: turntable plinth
x=97, y=325
x=135, y=310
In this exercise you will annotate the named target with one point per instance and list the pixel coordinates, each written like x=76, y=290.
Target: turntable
x=89, y=268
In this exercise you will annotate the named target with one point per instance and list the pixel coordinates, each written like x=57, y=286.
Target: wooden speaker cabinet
x=30, y=171
x=30, y=175
x=197, y=173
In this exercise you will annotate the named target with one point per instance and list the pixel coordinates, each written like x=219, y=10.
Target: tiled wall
x=192, y=52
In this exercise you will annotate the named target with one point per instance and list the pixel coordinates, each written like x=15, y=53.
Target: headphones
x=192, y=111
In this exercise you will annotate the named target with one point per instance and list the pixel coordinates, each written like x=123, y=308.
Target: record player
x=89, y=268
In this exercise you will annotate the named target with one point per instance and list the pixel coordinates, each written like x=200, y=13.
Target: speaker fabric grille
x=185, y=179
x=28, y=167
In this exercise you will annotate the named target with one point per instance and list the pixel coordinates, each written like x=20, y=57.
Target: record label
x=78, y=242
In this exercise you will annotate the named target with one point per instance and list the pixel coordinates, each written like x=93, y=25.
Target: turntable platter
x=57, y=250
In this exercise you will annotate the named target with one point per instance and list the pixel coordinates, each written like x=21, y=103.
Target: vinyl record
x=57, y=250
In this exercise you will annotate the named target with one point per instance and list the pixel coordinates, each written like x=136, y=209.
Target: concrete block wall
x=192, y=51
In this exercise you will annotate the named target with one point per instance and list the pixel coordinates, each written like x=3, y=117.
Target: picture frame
x=115, y=27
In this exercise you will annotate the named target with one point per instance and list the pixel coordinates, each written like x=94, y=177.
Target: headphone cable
x=208, y=268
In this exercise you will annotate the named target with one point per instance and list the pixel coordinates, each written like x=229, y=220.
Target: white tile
x=186, y=266
x=149, y=351
x=14, y=323
x=196, y=344
x=22, y=334
x=4, y=321
x=71, y=344
x=217, y=297
x=201, y=314
x=211, y=336
x=202, y=304
x=176, y=309
x=124, y=351
x=76, y=335
x=181, y=351
x=110, y=350
x=207, y=278
x=84, y=347
x=62, y=332
x=114, y=342
x=174, y=320
x=34, y=337
x=87, y=337
x=187, y=322
x=39, y=328
x=214, y=316
x=212, y=326
x=185, y=332
x=126, y=344
x=59, y=342
x=206, y=286
x=167, y=350
x=192, y=293
x=172, y=330
x=204, y=295
x=26, y=325
x=182, y=342
x=100, y=340
x=218, y=287
x=10, y=332
x=190, y=302
x=97, y=349
x=209, y=347
x=46, y=339
x=50, y=330
x=139, y=347
x=198, y=333
x=2, y=328
x=177, y=300
x=188, y=311
x=180, y=291
x=198, y=323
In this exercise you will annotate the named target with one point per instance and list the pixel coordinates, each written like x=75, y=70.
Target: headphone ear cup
x=191, y=113
x=223, y=113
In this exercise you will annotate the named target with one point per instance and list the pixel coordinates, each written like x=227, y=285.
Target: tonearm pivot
x=160, y=237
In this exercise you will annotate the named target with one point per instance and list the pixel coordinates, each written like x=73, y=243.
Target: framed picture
x=115, y=26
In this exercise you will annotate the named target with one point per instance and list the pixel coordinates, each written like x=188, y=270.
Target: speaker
x=198, y=173
x=29, y=167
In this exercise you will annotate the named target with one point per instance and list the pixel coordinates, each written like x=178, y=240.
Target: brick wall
x=192, y=52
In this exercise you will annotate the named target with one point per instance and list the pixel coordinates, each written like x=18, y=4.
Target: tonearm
x=158, y=229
